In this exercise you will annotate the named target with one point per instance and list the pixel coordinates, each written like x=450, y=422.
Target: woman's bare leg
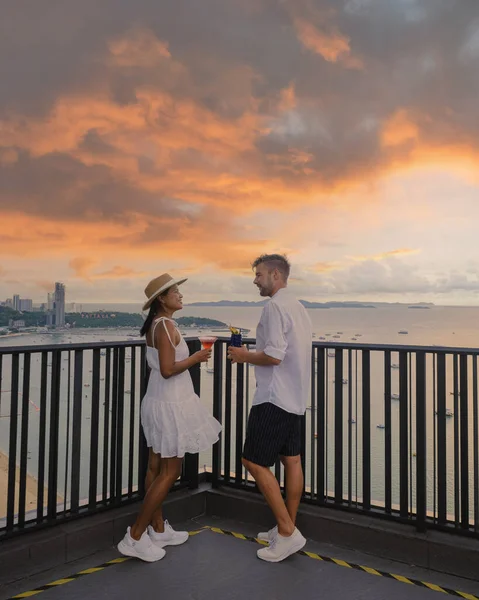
x=154, y=469
x=169, y=472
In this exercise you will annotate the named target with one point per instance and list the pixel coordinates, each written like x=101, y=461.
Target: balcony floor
x=211, y=565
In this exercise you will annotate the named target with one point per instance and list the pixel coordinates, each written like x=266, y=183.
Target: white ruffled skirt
x=174, y=428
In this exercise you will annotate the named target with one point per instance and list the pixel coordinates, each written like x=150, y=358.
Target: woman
x=173, y=419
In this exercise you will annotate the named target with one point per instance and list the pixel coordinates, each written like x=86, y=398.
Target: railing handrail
x=249, y=340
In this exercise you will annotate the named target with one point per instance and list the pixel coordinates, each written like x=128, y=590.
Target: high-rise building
x=50, y=300
x=9, y=303
x=16, y=302
x=59, y=304
x=25, y=305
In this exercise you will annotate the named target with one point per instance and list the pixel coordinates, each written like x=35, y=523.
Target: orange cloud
x=332, y=46
x=141, y=48
x=324, y=267
x=388, y=254
x=399, y=129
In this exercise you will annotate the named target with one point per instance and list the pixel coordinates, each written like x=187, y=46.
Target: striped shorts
x=271, y=432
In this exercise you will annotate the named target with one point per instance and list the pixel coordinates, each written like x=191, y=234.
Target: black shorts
x=271, y=432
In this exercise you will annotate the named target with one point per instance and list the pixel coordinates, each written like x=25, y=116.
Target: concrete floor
x=211, y=566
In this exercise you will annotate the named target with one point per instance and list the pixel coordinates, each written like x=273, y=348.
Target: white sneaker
x=143, y=548
x=169, y=537
x=281, y=547
x=268, y=536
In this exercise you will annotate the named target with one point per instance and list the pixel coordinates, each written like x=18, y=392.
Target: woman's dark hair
x=154, y=309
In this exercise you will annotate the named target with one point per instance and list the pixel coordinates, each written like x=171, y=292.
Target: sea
x=434, y=327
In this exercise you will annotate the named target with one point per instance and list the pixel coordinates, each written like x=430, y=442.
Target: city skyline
x=151, y=138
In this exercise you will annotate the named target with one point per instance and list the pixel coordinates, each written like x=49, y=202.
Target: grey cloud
x=417, y=54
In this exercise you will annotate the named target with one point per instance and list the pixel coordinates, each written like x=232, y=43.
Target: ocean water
x=435, y=327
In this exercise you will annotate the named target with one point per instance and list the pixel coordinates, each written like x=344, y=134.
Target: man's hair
x=274, y=261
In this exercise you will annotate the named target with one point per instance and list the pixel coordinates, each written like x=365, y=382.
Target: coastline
x=31, y=489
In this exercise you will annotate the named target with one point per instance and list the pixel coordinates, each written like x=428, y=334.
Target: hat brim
x=165, y=287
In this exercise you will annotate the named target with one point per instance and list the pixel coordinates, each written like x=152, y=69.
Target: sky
x=189, y=137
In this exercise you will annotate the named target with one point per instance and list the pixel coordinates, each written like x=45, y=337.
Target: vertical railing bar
x=321, y=425
x=313, y=422
x=143, y=451
x=76, y=431
x=24, y=439
x=326, y=427
x=67, y=435
x=217, y=406
x=456, y=442
x=131, y=450
x=388, y=433
x=246, y=413
x=350, y=426
x=434, y=435
x=356, y=438
x=240, y=368
x=12, y=446
x=475, y=429
x=106, y=425
x=441, y=440
x=403, y=434
x=95, y=425
x=119, y=426
x=421, y=490
x=366, y=397
x=13, y=432
x=338, y=427
x=410, y=414
x=54, y=433
x=464, y=453
x=114, y=419
x=227, y=421
x=42, y=438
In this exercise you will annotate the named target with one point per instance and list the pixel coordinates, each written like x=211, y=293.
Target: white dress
x=172, y=416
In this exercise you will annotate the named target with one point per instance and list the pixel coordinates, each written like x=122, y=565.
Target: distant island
x=307, y=304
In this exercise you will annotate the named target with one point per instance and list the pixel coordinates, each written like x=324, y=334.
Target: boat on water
x=394, y=396
x=394, y=366
x=352, y=421
x=381, y=426
x=449, y=413
x=210, y=370
x=403, y=332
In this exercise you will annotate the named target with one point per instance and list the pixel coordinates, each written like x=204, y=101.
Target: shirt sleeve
x=275, y=339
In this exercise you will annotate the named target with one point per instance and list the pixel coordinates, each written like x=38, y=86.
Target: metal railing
x=391, y=431
x=70, y=432
x=379, y=437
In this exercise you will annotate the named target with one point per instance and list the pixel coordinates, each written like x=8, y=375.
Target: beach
x=31, y=489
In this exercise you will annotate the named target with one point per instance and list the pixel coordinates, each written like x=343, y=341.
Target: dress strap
x=163, y=320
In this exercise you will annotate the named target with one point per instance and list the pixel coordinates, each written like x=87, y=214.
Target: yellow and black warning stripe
x=343, y=563
x=313, y=555
x=76, y=576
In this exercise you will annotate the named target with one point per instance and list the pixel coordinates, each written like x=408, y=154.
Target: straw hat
x=159, y=285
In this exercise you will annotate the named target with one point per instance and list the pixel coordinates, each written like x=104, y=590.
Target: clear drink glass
x=207, y=342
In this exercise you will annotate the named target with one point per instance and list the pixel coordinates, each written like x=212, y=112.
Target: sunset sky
x=189, y=136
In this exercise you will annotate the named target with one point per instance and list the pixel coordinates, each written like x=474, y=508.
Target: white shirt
x=284, y=332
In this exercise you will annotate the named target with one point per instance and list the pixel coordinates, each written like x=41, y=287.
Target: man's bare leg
x=269, y=487
x=294, y=481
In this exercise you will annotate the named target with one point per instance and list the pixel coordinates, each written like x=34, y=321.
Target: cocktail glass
x=207, y=342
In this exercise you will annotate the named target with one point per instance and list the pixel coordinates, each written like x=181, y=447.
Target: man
x=283, y=370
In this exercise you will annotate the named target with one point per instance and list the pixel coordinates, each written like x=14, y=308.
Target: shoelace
x=168, y=527
x=272, y=543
